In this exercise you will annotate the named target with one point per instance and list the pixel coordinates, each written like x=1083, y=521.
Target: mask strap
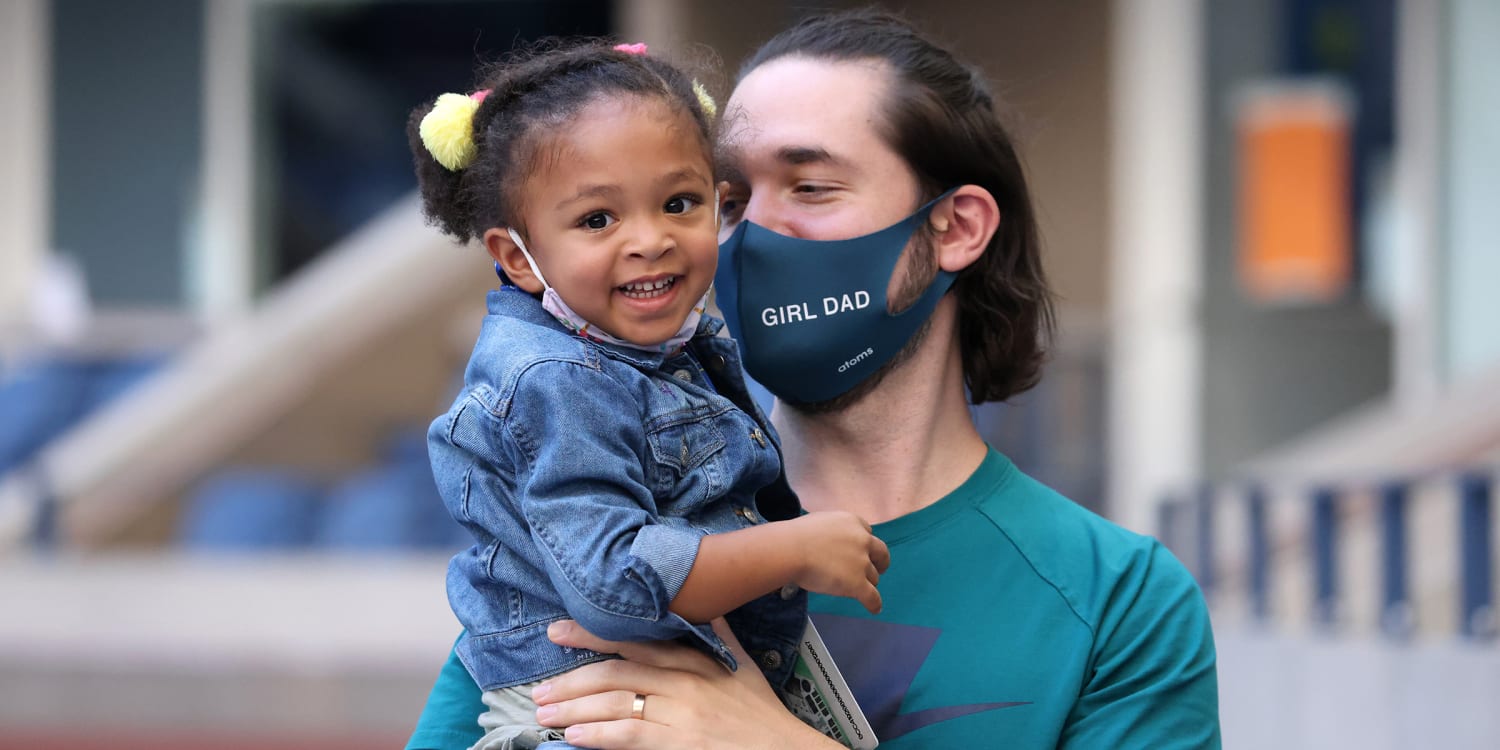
x=926, y=209
x=516, y=238
x=942, y=279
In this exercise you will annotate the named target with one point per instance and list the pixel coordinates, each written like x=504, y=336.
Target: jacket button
x=788, y=591
x=717, y=361
x=770, y=659
x=683, y=375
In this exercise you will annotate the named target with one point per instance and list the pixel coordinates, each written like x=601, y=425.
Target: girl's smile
x=618, y=216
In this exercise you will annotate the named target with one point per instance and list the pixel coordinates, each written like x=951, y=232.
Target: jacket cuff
x=669, y=551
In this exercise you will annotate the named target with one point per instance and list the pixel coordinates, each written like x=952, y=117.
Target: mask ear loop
x=718, y=224
x=516, y=238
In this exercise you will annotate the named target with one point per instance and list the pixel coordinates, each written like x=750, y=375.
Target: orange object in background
x=1295, y=243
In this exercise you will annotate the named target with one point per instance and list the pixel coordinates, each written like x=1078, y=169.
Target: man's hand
x=840, y=556
x=690, y=701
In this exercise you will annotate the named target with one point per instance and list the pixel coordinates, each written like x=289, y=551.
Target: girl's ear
x=964, y=224
x=505, y=251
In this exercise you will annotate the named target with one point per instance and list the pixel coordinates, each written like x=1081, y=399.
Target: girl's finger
x=882, y=556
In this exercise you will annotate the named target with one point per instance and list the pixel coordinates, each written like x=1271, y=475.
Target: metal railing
x=1243, y=541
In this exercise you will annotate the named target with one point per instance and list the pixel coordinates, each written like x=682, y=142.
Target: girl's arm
x=585, y=502
x=831, y=553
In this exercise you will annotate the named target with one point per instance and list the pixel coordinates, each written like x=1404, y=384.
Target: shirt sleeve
x=582, y=490
x=1153, y=682
x=450, y=720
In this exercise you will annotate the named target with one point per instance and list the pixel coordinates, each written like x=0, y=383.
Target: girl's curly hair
x=531, y=93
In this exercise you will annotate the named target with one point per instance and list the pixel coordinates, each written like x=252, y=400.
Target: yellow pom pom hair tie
x=705, y=100
x=448, y=130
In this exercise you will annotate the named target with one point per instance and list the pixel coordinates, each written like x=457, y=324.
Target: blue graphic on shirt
x=880, y=660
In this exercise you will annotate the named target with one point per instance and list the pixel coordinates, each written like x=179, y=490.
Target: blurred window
x=335, y=82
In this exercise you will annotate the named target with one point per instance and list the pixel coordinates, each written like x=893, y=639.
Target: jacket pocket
x=686, y=455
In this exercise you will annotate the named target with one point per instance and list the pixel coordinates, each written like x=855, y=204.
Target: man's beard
x=921, y=268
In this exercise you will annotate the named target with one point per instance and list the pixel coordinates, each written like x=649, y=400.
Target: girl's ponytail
x=443, y=197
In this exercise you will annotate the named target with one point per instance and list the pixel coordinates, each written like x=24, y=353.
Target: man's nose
x=763, y=211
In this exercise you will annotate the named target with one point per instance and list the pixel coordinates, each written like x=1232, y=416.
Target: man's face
x=802, y=153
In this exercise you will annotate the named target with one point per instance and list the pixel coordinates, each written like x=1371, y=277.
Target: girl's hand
x=691, y=701
x=841, y=557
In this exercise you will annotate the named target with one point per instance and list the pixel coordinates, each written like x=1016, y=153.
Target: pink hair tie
x=639, y=48
x=479, y=95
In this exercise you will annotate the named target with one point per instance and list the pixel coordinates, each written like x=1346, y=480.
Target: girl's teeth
x=647, y=289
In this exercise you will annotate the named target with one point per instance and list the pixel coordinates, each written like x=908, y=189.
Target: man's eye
x=681, y=204
x=597, y=220
x=730, y=208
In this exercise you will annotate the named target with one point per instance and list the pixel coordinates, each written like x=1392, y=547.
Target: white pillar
x=1157, y=243
x=1417, y=177
x=1470, y=258
x=221, y=262
x=25, y=145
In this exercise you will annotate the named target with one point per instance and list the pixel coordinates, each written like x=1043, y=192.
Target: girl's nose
x=653, y=241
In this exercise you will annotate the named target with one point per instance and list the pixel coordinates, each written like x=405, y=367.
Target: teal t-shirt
x=1013, y=618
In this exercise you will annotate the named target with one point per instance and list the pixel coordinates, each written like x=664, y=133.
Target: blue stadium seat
x=44, y=399
x=390, y=507
x=113, y=378
x=387, y=508
x=250, y=509
x=37, y=404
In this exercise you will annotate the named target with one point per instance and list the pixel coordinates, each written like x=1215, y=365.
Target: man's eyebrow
x=799, y=155
x=727, y=160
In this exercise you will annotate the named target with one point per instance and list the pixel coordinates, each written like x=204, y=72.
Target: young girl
x=604, y=453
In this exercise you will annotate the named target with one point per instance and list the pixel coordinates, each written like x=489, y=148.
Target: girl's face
x=619, y=215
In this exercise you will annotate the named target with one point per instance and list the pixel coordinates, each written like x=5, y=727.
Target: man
x=1012, y=617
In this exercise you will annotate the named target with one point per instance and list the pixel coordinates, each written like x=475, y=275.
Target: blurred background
x=224, y=328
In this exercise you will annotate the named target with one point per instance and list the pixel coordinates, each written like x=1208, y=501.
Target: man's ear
x=507, y=253
x=963, y=225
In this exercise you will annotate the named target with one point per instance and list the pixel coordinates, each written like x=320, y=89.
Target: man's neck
x=901, y=448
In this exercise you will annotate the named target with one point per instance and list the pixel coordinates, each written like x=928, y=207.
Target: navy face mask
x=811, y=315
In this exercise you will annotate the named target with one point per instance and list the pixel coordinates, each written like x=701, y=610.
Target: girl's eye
x=681, y=204
x=597, y=220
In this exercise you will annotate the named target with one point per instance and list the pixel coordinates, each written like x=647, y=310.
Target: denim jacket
x=587, y=473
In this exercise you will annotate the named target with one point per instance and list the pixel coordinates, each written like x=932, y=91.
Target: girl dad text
x=802, y=311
